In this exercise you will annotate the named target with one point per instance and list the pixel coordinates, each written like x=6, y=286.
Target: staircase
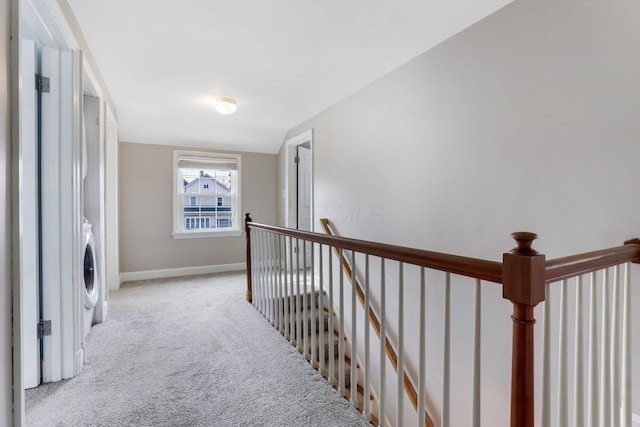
x=525, y=276
x=321, y=345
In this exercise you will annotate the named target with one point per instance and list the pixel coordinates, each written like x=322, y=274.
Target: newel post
x=247, y=232
x=523, y=284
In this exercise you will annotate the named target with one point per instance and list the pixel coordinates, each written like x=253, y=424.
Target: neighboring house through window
x=206, y=194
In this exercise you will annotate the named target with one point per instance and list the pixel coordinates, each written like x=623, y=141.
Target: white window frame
x=179, y=230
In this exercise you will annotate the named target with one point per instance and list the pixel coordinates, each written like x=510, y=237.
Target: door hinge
x=297, y=159
x=44, y=328
x=42, y=84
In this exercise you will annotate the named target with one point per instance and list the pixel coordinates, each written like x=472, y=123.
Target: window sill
x=206, y=234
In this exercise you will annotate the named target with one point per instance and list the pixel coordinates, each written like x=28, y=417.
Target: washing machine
x=91, y=278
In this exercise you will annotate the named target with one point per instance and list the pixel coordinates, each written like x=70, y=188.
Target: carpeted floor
x=189, y=352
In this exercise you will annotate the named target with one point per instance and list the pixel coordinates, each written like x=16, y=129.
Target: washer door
x=90, y=275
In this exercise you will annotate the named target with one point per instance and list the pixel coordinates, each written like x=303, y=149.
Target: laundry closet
x=66, y=198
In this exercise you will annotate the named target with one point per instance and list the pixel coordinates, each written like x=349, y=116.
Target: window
x=214, y=212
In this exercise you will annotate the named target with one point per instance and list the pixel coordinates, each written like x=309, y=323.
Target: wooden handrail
x=575, y=265
x=373, y=318
x=490, y=271
x=523, y=275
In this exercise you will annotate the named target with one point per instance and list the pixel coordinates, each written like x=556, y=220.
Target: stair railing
x=284, y=278
x=372, y=317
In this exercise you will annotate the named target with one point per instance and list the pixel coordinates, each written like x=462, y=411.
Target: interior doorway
x=299, y=185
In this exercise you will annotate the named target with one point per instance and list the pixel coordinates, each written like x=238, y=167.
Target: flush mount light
x=226, y=105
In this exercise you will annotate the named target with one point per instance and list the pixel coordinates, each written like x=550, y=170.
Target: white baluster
x=305, y=303
x=263, y=290
x=321, y=361
x=446, y=354
x=261, y=271
x=383, y=340
x=265, y=282
x=354, y=331
x=298, y=302
x=592, y=376
x=578, y=363
x=626, y=348
x=605, y=342
x=546, y=360
x=281, y=285
x=341, y=365
x=477, y=349
x=367, y=360
x=563, y=389
x=614, y=355
x=278, y=277
x=282, y=269
x=400, y=376
x=332, y=327
x=254, y=267
x=270, y=277
x=292, y=295
x=274, y=279
x=314, y=308
x=422, y=353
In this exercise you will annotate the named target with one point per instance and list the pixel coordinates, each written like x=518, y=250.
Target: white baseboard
x=636, y=420
x=177, y=272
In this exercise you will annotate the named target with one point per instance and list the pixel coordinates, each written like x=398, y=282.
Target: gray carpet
x=189, y=352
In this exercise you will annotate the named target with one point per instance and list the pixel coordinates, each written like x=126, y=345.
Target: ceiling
x=284, y=61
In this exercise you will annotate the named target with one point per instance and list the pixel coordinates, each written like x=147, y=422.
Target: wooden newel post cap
x=634, y=242
x=524, y=240
x=247, y=217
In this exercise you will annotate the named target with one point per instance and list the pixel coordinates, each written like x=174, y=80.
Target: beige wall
x=5, y=221
x=146, y=212
x=528, y=120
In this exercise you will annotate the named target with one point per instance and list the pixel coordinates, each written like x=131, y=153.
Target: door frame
x=48, y=25
x=291, y=146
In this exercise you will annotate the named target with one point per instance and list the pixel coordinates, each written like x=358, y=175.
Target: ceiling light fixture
x=226, y=105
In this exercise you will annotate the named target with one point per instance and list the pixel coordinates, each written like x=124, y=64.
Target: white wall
x=5, y=221
x=527, y=120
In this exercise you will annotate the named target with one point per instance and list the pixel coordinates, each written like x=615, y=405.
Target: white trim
x=15, y=99
x=111, y=261
x=177, y=272
x=636, y=420
x=290, y=153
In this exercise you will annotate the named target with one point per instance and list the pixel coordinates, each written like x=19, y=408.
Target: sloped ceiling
x=165, y=62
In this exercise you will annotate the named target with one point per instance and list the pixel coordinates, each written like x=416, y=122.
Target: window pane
x=206, y=196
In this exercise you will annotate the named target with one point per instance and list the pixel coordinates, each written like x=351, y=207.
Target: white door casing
x=111, y=203
x=303, y=196
x=303, y=184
